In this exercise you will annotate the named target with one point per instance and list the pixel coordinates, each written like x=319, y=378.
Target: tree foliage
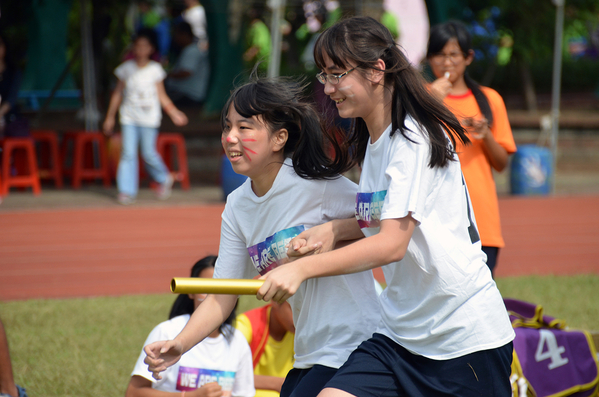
x=532, y=22
x=530, y=25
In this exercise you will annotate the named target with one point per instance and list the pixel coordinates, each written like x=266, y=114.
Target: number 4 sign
x=549, y=350
x=556, y=361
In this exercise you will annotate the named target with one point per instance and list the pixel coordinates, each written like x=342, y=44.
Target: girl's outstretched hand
x=162, y=354
x=281, y=283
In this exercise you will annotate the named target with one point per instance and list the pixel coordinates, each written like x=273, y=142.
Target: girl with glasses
x=272, y=135
x=482, y=111
x=444, y=329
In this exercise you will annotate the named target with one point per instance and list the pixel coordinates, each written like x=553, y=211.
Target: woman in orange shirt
x=482, y=112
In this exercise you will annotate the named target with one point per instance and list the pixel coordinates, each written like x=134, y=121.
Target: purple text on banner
x=271, y=252
x=194, y=378
x=368, y=208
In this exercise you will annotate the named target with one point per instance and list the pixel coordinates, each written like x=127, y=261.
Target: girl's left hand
x=179, y=118
x=480, y=128
x=281, y=283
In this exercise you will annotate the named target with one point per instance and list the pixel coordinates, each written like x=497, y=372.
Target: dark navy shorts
x=492, y=254
x=306, y=382
x=379, y=367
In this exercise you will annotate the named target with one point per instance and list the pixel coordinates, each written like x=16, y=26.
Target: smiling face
x=354, y=94
x=250, y=146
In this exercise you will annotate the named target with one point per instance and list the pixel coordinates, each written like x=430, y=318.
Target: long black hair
x=439, y=36
x=184, y=305
x=280, y=103
x=363, y=41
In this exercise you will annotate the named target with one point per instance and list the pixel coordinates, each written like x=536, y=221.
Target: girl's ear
x=469, y=57
x=280, y=139
x=378, y=74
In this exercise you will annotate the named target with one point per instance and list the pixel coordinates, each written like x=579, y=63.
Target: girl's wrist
x=169, y=107
x=487, y=134
x=342, y=229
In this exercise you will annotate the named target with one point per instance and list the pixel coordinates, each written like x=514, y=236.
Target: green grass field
x=88, y=346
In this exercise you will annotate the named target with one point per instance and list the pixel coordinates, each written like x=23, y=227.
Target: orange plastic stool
x=164, y=145
x=49, y=166
x=83, y=166
x=10, y=146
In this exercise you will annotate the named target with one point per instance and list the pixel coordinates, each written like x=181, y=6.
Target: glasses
x=331, y=78
x=454, y=57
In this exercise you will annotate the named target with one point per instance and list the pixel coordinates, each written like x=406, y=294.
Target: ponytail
x=481, y=98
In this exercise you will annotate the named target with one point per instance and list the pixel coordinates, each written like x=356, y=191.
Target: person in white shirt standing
x=444, y=329
x=195, y=15
x=273, y=135
x=138, y=96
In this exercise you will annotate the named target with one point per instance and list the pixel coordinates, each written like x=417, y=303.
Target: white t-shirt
x=196, y=18
x=441, y=301
x=213, y=360
x=140, y=105
x=332, y=315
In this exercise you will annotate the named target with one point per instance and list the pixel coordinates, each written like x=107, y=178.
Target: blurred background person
x=482, y=112
x=258, y=39
x=187, y=83
x=195, y=15
x=138, y=96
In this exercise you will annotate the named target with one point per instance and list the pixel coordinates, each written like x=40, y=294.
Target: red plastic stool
x=164, y=145
x=49, y=166
x=83, y=166
x=10, y=147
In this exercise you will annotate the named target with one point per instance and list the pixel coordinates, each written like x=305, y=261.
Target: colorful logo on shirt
x=368, y=208
x=272, y=252
x=194, y=378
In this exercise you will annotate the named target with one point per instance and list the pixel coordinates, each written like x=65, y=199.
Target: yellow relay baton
x=195, y=285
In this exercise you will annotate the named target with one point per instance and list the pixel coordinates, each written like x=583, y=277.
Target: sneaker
x=125, y=199
x=21, y=391
x=165, y=189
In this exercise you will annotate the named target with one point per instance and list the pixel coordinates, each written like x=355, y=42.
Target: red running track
x=118, y=251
